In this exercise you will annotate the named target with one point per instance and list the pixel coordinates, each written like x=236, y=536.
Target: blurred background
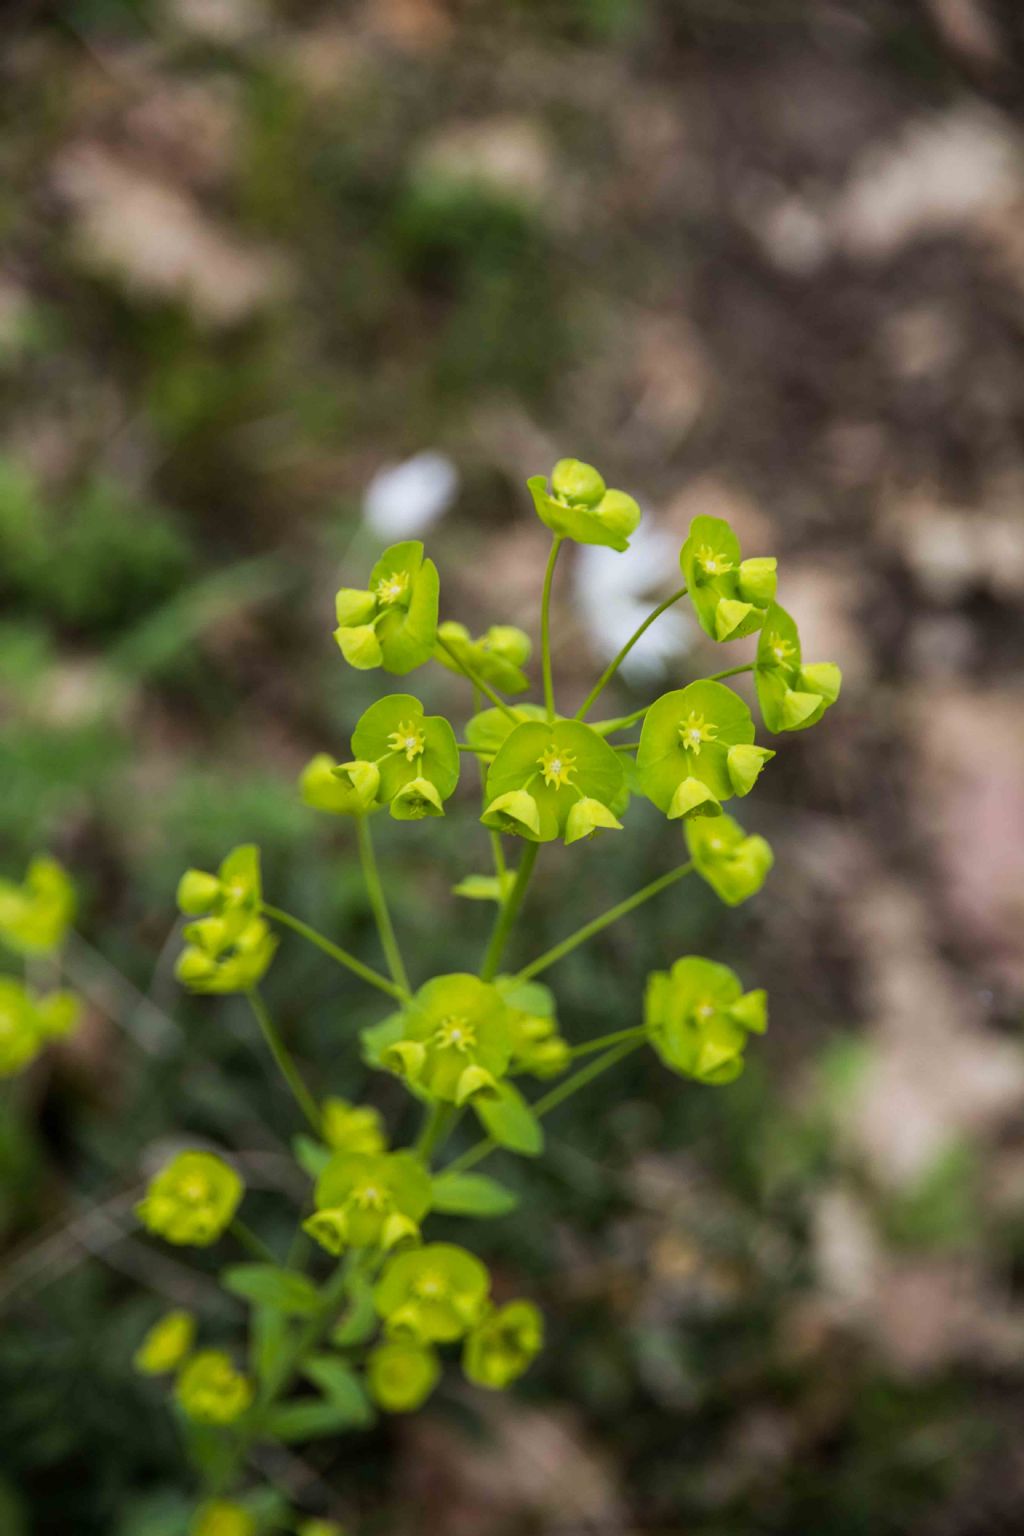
x=280, y=283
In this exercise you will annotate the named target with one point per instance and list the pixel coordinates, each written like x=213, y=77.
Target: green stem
x=595, y=926
x=438, y=1120
x=626, y=746
x=251, y=1243
x=365, y=972
x=550, y=1101
x=590, y=1046
x=616, y=662
x=477, y=680
x=464, y=746
x=508, y=912
x=609, y=727
x=716, y=677
x=545, y=627
x=284, y=1061
x=378, y=902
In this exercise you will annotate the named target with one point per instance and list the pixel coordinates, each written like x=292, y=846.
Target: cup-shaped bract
x=341, y=789
x=497, y=656
x=792, y=696
x=693, y=745
x=166, y=1344
x=577, y=505
x=432, y=1295
x=698, y=1018
x=729, y=594
x=503, y=1345
x=352, y=1127
x=455, y=1042
x=416, y=755
x=191, y=1201
x=537, y=1046
x=734, y=863
x=551, y=767
x=211, y=1391
x=36, y=915
x=369, y=1200
x=401, y=1375
x=393, y=623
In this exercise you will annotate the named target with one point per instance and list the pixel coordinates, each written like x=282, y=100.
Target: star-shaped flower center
x=694, y=731
x=456, y=1034
x=704, y=1010
x=369, y=1197
x=431, y=1285
x=195, y=1189
x=781, y=649
x=556, y=766
x=408, y=739
x=712, y=562
x=392, y=589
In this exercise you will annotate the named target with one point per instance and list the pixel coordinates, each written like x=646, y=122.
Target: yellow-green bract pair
x=192, y=1200
x=698, y=1018
x=229, y=946
x=209, y=1388
x=29, y=1020
x=404, y=759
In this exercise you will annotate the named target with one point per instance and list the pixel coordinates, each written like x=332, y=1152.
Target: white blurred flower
x=615, y=593
x=404, y=500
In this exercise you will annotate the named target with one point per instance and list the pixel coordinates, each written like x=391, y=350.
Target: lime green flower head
x=578, y=505
x=729, y=594
x=222, y=1519
x=696, y=750
x=734, y=864
x=343, y=789
x=537, y=1047
x=401, y=1375
x=369, y=1200
x=36, y=915
x=234, y=893
x=432, y=1295
x=166, y=1344
x=225, y=954
x=502, y=1346
x=455, y=1041
x=393, y=624
x=698, y=1017
x=542, y=772
x=498, y=656
x=416, y=754
x=352, y=1128
x=791, y=696
x=211, y=1391
x=192, y=1200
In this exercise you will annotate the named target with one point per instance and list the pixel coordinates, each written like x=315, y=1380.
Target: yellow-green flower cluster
x=577, y=504
x=229, y=946
x=35, y=916
x=440, y=1294
x=453, y=1041
x=734, y=863
x=393, y=622
x=537, y=1046
x=698, y=1018
x=498, y=656
x=352, y=1128
x=166, y=1345
x=554, y=780
x=29, y=1021
x=210, y=1390
x=369, y=1200
x=697, y=749
x=192, y=1200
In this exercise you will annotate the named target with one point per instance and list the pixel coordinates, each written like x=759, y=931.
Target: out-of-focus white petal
x=403, y=500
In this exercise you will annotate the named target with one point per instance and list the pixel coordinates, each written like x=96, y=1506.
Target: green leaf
x=340, y=1386
x=267, y=1286
x=311, y=1156
x=472, y=1194
x=315, y=1418
x=485, y=887
x=268, y=1340
x=510, y=1121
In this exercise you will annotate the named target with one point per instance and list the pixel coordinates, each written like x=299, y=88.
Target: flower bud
x=756, y=580
x=351, y=1128
x=743, y=765
x=353, y=607
x=821, y=677
x=515, y=812
x=729, y=615
x=693, y=798
x=198, y=892
x=577, y=483
x=415, y=800
x=223, y=1519
x=502, y=1346
x=166, y=1344
x=211, y=1391
x=512, y=644
x=619, y=513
